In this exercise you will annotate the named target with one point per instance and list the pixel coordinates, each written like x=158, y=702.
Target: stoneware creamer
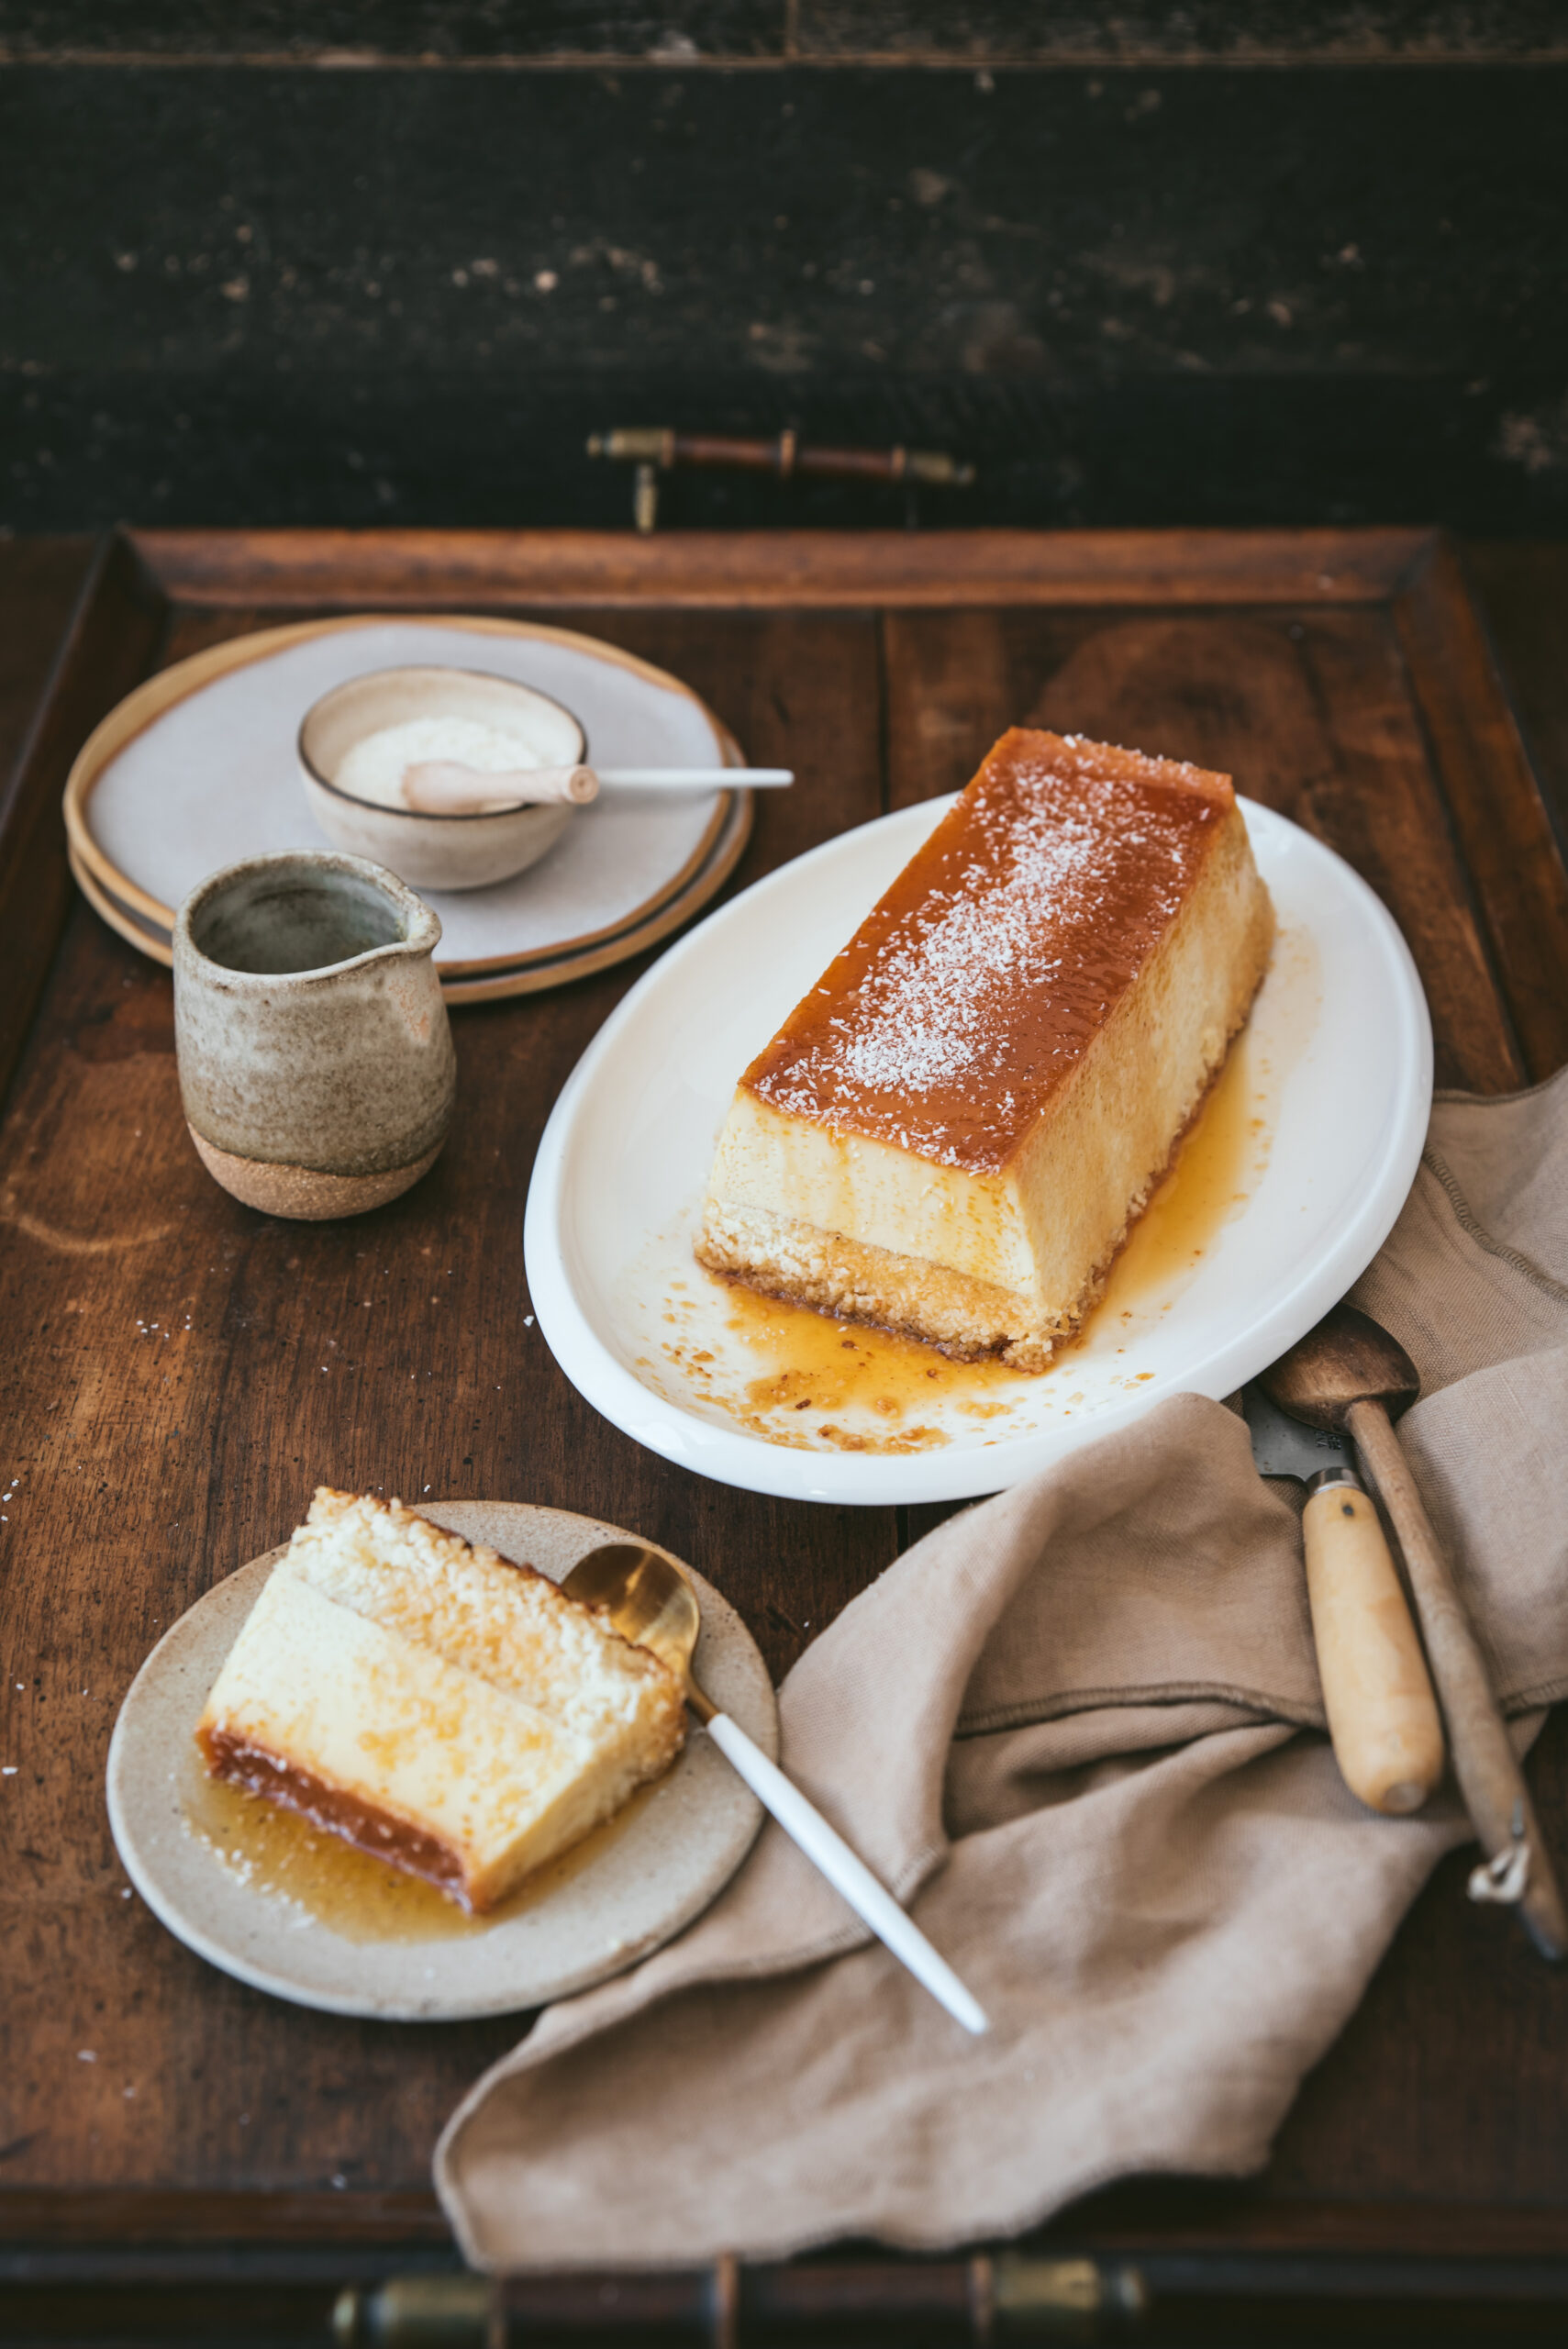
x=316, y=1060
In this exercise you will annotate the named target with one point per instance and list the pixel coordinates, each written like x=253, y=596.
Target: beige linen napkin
x=1067, y=1728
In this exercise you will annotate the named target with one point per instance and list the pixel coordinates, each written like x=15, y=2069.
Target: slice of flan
x=952, y=1132
x=457, y=1714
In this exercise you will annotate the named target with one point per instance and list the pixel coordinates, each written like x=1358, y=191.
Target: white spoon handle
x=845, y=1872
x=695, y=778
x=448, y=787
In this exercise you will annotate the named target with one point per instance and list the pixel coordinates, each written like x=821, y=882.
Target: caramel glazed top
x=972, y=989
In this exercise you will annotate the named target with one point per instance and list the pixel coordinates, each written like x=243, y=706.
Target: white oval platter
x=1340, y=1031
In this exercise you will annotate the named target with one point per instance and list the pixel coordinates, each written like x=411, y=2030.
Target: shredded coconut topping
x=978, y=981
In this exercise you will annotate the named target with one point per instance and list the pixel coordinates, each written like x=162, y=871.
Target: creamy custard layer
x=952, y=1132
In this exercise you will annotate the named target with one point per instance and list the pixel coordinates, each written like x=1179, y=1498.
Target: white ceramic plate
x=198, y=767
x=640, y=1881
x=1337, y=1060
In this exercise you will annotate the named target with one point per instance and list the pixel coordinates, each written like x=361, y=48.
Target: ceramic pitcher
x=316, y=1060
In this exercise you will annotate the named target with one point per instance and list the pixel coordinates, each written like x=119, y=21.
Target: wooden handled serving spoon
x=1348, y=1374
x=648, y=1601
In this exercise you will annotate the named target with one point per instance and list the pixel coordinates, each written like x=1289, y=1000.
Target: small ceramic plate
x=255, y=1908
x=198, y=768
x=1306, y=1152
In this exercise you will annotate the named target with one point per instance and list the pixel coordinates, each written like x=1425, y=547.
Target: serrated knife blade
x=1285, y=1447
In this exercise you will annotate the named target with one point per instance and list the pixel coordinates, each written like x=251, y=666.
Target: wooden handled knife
x=1382, y=1717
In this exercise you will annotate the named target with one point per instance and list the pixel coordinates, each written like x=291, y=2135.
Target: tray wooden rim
x=145, y=923
x=815, y=570
x=1210, y=2216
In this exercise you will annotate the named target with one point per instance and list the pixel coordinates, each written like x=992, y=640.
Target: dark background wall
x=391, y=261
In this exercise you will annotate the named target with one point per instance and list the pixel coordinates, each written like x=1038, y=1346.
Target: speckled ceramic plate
x=630, y=1888
x=198, y=768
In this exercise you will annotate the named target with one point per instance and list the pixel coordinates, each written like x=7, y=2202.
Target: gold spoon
x=1349, y=1374
x=650, y=1602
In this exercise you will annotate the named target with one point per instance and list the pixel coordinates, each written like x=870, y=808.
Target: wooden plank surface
x=39, y=582
x=202, y=1367
x=1502, y=827
x=182, y=1371
x=103, y=652
x=1522, y=591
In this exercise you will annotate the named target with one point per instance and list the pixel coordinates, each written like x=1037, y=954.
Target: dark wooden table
x=178, y=1372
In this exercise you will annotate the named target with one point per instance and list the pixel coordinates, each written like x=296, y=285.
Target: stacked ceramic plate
x=198, y=767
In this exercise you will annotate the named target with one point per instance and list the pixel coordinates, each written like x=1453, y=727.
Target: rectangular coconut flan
x=432, y=1703
x=952, y=1132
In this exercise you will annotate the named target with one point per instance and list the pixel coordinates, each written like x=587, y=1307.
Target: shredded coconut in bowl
x=374, y=767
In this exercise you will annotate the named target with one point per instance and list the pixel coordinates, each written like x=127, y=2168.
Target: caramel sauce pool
x=1224, y=1151
x=830, y=1367
x=820, y=1370
x=356, y=1896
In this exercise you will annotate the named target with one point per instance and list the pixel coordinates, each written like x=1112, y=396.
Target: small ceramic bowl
x=436, y=852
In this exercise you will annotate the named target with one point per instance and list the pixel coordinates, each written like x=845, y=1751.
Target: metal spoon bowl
x=651, y=1603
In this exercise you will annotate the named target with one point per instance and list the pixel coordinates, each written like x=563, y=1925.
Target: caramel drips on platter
x=284, y=1857
x=801, y=1378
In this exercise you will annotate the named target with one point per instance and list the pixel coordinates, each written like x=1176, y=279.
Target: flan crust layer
x=979, y=1223
x=355, y=1820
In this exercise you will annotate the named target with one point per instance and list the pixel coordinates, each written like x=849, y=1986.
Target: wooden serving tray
x=179, y=1371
